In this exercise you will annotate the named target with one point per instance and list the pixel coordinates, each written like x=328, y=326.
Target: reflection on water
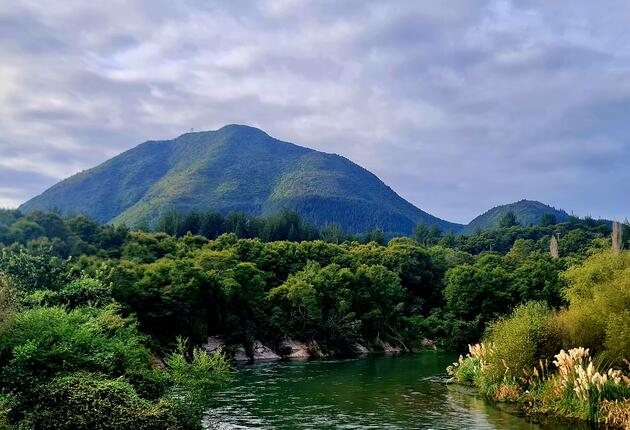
x=405, y=392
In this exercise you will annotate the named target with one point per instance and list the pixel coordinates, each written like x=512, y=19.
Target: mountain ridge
x=235, y=168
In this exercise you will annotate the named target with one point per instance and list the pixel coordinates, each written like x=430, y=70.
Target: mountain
x=528, y=212
x=236, y=168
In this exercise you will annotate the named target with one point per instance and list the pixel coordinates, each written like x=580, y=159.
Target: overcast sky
x=457, y=105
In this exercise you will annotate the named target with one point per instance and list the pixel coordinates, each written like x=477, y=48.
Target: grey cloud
x=22, y=31
x=457, y=105
x=15, y=184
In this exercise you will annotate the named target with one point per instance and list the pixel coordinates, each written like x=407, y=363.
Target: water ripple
x=405, y=392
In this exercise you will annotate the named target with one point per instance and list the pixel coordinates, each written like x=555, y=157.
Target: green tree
x=9, y=302
x=34, y=271
x=548, y=219
x=6, y=238
x=599, y=297
x=24, y=230
x=538, y=278
x=480, y=290
x=421, y=233
x=508, y=220
x=51, y=222
x=297, y=298
x=243, y=288
x=332, y=233
x=378, y=302
x=83, y=227
x=170, y=298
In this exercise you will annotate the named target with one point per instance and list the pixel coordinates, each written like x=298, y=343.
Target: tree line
x=102, y=311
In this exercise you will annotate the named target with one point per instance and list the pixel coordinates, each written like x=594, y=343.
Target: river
x=378, y=392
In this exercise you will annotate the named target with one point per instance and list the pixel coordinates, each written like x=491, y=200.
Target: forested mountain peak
x=236, y=168
x=524, y=212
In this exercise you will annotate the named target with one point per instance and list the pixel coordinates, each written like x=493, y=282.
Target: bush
x=466, y=371
x=87, y=401
x=88, y=369
x=520, y=341
x=581, y=387
x=195, y=378
x=578, y=390
x=84, y=291
x=44, y=342
x=9, y=302
x=33, y=271
x=617, y=414
x=599, y=299
x=473, y=369
x=617, y=343
x=5, y=407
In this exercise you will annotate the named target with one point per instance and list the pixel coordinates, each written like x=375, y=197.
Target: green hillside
x=527, y=212
x=236, y=168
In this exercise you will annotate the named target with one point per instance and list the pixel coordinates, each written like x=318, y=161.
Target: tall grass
x=575, y=389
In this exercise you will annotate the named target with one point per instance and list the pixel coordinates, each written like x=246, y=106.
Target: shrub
x=465, y=371
x=520, y=341
x=9, y=302
x=472, y=369
x=41, y=343
x=599, y=299
x=33, y=271
x=195, y=378
x=617, y=342
x=578, y=389
x=88, y=369
x=87, y=401
x=197, y=375
x=5, y=407
x=84, y=291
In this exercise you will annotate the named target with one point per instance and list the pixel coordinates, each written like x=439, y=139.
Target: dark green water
x=404, y=392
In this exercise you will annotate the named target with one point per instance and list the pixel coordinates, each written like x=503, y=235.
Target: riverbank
x=291, y=349
x=571, y=388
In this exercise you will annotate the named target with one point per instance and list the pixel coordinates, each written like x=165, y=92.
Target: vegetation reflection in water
x=405, y=392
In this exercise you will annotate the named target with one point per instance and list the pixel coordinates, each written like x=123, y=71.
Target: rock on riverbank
x=259, y=351
x=291, y=349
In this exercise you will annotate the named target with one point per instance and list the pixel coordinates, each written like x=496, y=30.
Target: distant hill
x=528, y=212
x=236, y=168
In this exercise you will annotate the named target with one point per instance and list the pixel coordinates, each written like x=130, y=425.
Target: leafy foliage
x=521, y=340
x=85, y=366
x=85, y=401
x=599, y=303
x=86, y=309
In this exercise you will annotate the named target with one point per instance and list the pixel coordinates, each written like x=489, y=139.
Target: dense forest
x=99, y=312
